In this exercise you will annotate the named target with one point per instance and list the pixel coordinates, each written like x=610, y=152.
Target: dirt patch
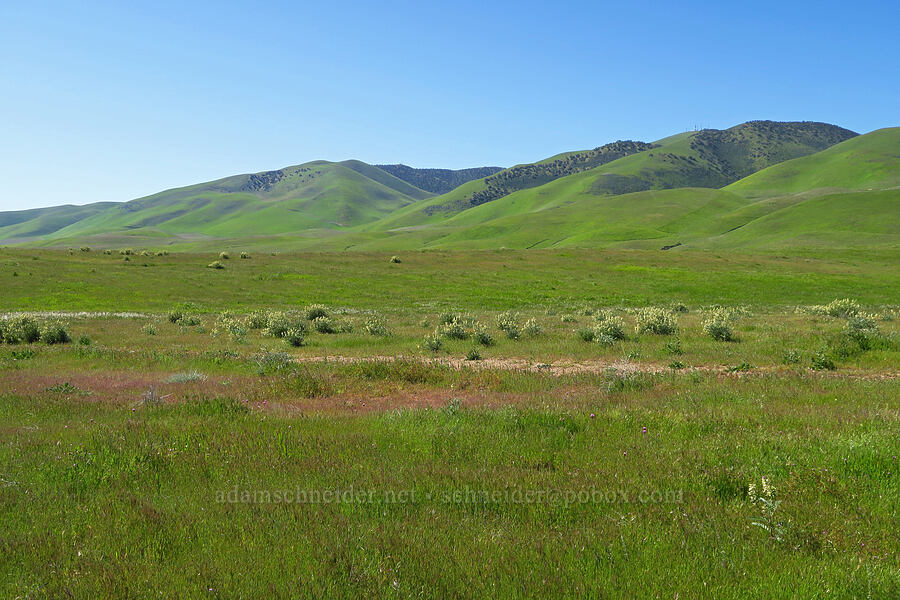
x=615, y=367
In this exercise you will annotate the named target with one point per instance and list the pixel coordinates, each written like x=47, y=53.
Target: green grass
x=132, y=503
x=434, y=280
x=124, y=462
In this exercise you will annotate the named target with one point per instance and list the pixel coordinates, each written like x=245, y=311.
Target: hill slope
x=870, y=161
x=314, y=195
x=710, y=158
x=844, y=196
x=437, y=181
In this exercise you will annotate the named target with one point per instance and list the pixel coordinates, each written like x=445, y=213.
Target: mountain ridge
x=793, y=177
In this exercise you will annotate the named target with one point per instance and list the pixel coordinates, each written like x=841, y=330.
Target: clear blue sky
x=112, y=101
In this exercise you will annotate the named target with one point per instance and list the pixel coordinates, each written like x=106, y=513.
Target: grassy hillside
x=438, y=181
x=870, y=161
x=709, y=158
x=821, y=200
x=313, y=195
x=44, y=221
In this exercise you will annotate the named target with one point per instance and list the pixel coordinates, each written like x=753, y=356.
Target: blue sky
x=112, y=101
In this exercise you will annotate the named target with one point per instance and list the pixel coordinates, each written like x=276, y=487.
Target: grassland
x=147, y=457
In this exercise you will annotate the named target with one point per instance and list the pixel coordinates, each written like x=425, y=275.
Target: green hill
x=871, y=161
x=36, y=222
x=712, y=189
x=710, y=158
x=314, y=195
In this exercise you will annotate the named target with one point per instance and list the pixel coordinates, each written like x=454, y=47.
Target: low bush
x=230, y=324
x=21, y=330
x=585, y=334
x=509, y=323
x=268, y=362
x=844, y=308
x=376, y=326
x=191, y=321
x=717, y=325
x=279, y=323
x=822, y=362
x=718, y=330
x=149, y=329
x=295, y=337
x=324, y=325
x=791, y=357
x=395, y=260
x=54, y=332
x=187, y=377
x=482, y=336
x=611, y=327
x=224, y=256
x=215, y=265
x=432, y=343
x=656, y=320
x=454, y=330
x=448, y=317
x=604, y=339
x=258, y=319
x=315, y=311
x=174, y=315
x=473, y=354
x=532, y=328
x=245, y=255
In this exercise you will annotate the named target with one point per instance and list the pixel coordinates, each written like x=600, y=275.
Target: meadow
x=456, y=424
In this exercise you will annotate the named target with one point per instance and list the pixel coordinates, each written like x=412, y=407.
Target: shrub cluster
x=432, y=343
x=717, y=324
x=510, y=323
x=609, y=328
x=324, y=324
x=481, y=335
x=532, y=328
x=278, y=323
x=376, y=326
x=27, y=330
x=656, y=320
x=315, y=311
x=232, y=325
x=180, y=316
x=454, y=329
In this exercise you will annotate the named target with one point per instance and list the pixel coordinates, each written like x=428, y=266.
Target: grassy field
x=175, y=447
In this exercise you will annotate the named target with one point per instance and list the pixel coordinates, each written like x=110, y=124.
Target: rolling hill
x=863, y=163
x=709, y=158
x=759, y=185
x=314, y=195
